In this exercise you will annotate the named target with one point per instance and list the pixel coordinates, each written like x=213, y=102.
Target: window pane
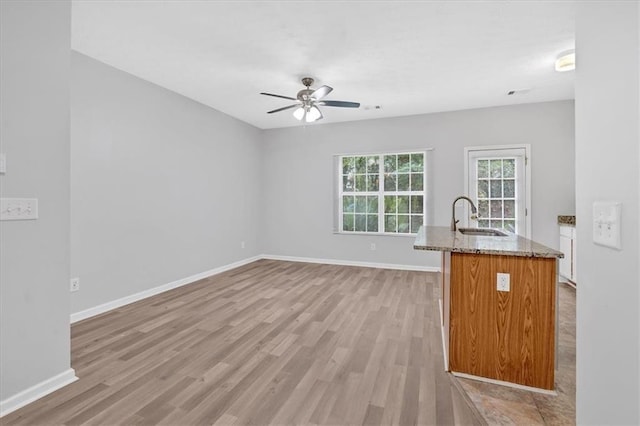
x=483, y=223
x=361, y=204
x=403, y=163
x=403, y=204
x=509, y=168
x=361, y=164
x=510, y=225
x=372, y=182
x=390, y=204
x=417, y=181
x=416, y=223
x=403, y=223
x=483, y=168
x=347, y=222
x=403, y=182
x=372, y=204
x=496, y=188
x=496, y=224
x=389, y=223
x=348, y=165
x=348, y=204
x=347, y=183
x=483, y=208
x=373, y=164
x=390, y=182
x=509, y=188
x=417, y=162
x=509, y=209
x=361, y=222
x=390, y=163
x=496, y=208
x=495, y=167
x=416, y=203
x=372, y=223
x=361, y=183
x=483, y=189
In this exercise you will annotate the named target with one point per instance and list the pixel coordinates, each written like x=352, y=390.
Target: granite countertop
x=566, y=220
x=441, y=238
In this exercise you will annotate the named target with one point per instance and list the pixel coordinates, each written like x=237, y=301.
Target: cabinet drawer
x=567, y=231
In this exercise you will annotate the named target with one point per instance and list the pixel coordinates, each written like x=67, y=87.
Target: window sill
x=375, y=234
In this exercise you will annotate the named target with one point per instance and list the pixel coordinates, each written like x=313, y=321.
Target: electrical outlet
x=242, y=244
x=74, y=284
x=372, y=246
x=503, y=283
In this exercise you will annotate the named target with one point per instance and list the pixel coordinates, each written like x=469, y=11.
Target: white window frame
x=380, y=193
x=497, y=150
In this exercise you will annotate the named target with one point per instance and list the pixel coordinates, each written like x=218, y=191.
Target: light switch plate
x=18, y=208
x=606, y=223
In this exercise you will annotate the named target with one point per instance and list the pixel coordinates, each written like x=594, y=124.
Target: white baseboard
x=105, y=307
x=502, y=383
x=352, y=263
x=37, y=391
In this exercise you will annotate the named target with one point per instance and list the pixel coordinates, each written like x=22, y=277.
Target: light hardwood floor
x=268, y=343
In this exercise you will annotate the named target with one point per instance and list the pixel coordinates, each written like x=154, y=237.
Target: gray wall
x=162, y=187
x=298, y=184
x=34, y=133
x=607, y=164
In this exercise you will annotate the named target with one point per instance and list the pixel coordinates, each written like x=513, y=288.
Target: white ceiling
x=408, y=57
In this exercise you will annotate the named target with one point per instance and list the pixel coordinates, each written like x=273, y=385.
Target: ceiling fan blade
x=342, y=104
x=279, y=96
x=283, y=108
x=321, y=92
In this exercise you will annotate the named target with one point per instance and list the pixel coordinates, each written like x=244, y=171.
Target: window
x=497, y=183
x=383, y=193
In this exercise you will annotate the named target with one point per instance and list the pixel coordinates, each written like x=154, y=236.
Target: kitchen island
x=505, y=337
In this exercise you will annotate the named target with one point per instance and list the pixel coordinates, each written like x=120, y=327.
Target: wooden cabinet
x=568, y=247
x=505, y=336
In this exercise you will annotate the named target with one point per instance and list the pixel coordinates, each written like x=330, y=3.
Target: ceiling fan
x=308, y=100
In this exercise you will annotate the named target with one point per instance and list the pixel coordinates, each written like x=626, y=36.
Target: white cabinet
x=568, y=247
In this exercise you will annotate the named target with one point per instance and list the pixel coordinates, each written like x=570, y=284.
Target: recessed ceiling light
x=566, y=61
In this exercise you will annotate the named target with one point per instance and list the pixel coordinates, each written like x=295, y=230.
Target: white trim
x=442, y=333
x=105, y=307
x=37, y=391
x=382, y=152
x=352, y=263
x=502, y=383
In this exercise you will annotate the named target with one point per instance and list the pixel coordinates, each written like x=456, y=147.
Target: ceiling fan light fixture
x=313, y=114
x=298, y=113
x=566, y=61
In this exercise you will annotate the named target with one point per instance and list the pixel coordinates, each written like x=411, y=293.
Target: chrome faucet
x=453, y=211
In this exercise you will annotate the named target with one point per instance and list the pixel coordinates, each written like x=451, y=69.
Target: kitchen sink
x=486, y=232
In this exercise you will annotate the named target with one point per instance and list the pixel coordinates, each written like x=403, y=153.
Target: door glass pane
x=483, y=208
x=483, y=189
x=496, y=208
x=496, y=188
x=509, y=187
x=509, y=168
x=509, y=209
x=510, y=225
x=483, y=168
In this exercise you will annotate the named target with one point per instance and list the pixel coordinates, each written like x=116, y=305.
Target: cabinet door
x=565, y=263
